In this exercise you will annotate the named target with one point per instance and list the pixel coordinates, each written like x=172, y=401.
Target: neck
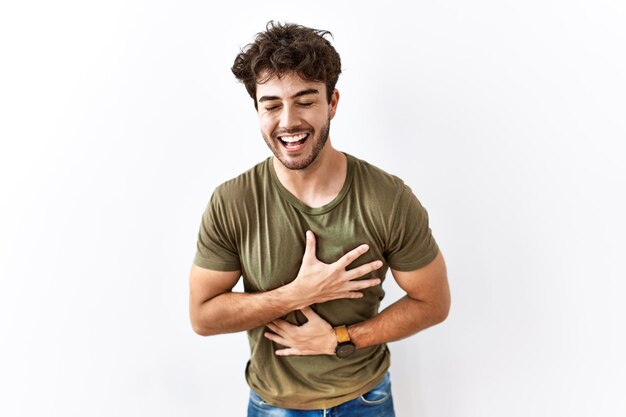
x=319, y=183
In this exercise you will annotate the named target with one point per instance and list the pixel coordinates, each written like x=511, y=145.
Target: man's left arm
x=426, y=303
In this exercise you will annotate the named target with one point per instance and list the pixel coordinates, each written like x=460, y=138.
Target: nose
x=288, y=117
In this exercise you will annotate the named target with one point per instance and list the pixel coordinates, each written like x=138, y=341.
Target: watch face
x=345, y=349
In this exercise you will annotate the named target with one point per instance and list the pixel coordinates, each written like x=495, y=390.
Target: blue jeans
x=375, y=403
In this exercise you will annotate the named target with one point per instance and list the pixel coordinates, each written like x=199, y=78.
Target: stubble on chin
x=304, y=163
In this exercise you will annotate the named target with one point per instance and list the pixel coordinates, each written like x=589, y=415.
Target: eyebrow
x=298, y=94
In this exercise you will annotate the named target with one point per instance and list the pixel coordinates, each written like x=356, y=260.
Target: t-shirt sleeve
x=411, y=244
x=216, y=247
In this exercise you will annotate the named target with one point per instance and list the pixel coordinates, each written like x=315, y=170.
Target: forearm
x=234, y=311
x=215, y=309
x=426, y=303
x=401, y=319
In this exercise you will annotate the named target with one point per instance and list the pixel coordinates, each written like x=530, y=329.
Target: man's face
x=294, y=116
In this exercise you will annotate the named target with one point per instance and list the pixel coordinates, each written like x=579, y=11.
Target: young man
x=312, y=231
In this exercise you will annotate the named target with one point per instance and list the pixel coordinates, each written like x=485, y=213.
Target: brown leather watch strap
x=342, y=334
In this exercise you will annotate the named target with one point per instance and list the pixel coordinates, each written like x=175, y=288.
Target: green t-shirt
x=255, y=225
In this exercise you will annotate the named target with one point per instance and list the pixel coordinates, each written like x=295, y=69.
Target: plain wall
x=119, y=118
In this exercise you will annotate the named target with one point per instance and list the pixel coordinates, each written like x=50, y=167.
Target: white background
x=118, y=118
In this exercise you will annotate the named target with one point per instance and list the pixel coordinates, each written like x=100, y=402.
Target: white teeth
x=296, y=138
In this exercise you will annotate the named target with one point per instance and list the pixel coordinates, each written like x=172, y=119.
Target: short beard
x=298, y=165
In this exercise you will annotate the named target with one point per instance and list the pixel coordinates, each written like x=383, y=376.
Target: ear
x=334, y=100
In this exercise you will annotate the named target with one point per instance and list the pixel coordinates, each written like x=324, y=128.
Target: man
x=312, y=231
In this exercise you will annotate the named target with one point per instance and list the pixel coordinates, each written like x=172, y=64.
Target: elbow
x=442, y=303
x=203, y=330
x=200, y=330
x=199, y=325
x=442, y=310
x=436, y=310
x=442, y=314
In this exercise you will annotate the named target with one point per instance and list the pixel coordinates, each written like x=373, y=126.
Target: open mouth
x=293, y=142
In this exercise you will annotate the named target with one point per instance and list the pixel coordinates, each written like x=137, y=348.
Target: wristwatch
x=345, y=347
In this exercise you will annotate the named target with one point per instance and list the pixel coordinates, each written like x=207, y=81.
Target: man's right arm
x=215, y=309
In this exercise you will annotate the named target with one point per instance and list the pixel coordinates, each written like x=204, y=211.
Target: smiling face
x=294, y=117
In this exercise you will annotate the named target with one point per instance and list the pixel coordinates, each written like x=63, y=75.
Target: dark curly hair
x=285, y=48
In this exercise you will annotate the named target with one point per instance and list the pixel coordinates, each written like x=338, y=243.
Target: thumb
x=309, y=249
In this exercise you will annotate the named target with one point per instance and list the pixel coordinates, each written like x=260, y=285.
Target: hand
x=315, y=337
x=318, y=282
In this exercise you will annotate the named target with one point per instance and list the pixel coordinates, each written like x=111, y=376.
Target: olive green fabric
x=255, y=225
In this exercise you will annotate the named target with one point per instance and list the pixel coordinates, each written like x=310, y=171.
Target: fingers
x=273, y=327
x=351, y=294
x=280, y=326
x=309, y=313
x=290, y=352
x=355, y=286
x=349, y=257
x=309, y=249
x=364, y=269
x=276, y=339
x=363, y=284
